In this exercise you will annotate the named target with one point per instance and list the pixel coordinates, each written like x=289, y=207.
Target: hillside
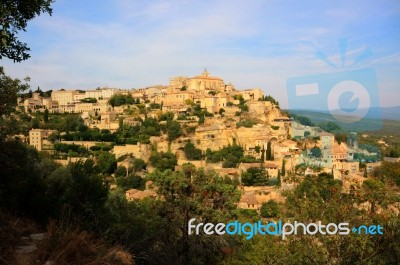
x=389, y=123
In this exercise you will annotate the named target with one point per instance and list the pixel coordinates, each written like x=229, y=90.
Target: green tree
x=131, y=181
x=269, y=209
x=139, y=164
x=120, y=171
x=269, y=152
x=192, y=193
x=262, y=155
x=22, y=189
x=173, y=130
x=46, y=116
x=14, y=17
x=163, y=161
x=191, y=152
x=283, y=170
x=9, y=90
x=106, y=162
x=81, y=187
x=255, y=176
x=316, y=151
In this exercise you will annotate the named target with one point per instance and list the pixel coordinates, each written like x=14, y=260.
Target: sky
x=251, y=44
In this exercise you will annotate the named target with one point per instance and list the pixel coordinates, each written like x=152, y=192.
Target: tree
x=191, y=152
x=139, y=164
x=163, y=161
x=9, y=90
x=283, y=167
x=120, y=171
x=316, y=151
x=262, y=155
x=46, y=116
x=131, y=181
x=14, y=17
x=269, y=209
x=269, y=152
x=173, y=130
x=255, y=176
x=192, y=193
x=106, y=162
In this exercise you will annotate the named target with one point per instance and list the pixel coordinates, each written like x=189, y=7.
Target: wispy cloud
x=130, y=44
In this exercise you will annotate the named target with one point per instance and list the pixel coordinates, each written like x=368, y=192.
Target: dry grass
x=73, y=246
x=64, y=245
x=11, y=231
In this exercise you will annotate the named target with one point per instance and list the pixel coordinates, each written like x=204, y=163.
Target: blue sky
x=134, y=44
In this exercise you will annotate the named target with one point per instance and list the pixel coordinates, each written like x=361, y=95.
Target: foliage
x=192, y=193
x=174, y=130
x=89, y=100
x=138, y=133
x=268, y=152
x=163, y=161
x=329, y=126
x=14, y=17
x=316, y=151
x=302, y=119
x=66, y=148
x=120, y=171
x=131, y=181
x=269, y=209
x=81, y=187
x=21, y=186
x=388, y=172
x=120, y=99
x=249, y=159
x=248, y=123
x=9, y=90
x=231, y=155
x=341, y=137
x=139, y=164
x=106, y=162
x=167, y=116
x=155, y=106
x=255, y=176
x=191, y=152
x=270, y=99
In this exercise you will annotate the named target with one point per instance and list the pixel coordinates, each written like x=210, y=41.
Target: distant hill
x=389, y=118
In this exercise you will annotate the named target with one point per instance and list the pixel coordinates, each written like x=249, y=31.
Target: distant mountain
x=390, y=113
x=378, y=116
x=384, y=113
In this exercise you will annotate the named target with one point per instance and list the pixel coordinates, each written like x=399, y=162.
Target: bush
x=248, y=123
x=191, y=152
x=269, y=209
x=120, y=172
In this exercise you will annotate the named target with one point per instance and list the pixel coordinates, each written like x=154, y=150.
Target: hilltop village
x=240, y=134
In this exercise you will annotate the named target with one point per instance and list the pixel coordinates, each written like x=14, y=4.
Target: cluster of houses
x=270, y=130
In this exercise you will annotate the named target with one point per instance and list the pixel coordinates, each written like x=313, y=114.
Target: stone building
x=38, y=138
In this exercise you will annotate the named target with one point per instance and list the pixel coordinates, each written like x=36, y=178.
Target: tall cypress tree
x=269, y=152
x=262, y=155
x=283, y=167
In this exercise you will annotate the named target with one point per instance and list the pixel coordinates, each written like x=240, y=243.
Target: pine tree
x=283, y=167
x=269, y=152
x=262, y=155
x=46, y=115
x=279, y=178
